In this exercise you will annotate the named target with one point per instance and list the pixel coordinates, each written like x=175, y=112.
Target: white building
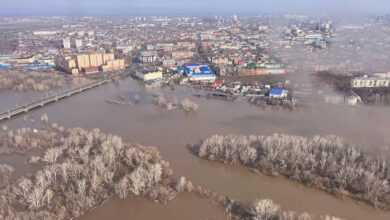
x=148, y=56
x=38, y=33
x=125, y=48
x=79, y=43
x=66, y=43
x=202, y=77
x=346, y=98
x=370, y=82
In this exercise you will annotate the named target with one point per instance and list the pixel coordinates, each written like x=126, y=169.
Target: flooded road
x=170, y=131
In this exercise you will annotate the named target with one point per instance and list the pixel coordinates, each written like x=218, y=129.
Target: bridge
x=50, y=98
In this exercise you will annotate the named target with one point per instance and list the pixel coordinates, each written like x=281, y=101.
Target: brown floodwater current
x=170, y=131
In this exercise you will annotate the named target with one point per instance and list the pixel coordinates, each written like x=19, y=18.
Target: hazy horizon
x=186, y=7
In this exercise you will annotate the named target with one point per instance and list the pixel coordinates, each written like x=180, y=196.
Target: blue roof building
x=5, y=65
x=192, y=69
x=278, y=93
x=39, y=66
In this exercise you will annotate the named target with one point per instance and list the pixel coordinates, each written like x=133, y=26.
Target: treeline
x=26, y=139
x=82, y=170
x=259, y=209
x=325, y=162
x=185, y=104
x=29, y=80
x=6, y=172
x=266, y=209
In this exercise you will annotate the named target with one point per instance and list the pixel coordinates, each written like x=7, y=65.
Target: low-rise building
x=149, y=75
x=169, y=63
x=199, y=72
x=346, y=98
x=179, y=54
x=90, y=70
x=278, y=93
x=205, y=77
x=252, y=70
x=220, y=60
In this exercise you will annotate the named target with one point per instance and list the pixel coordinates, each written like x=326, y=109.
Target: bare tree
x=121, y=188
x=51, y=155
x=6, y=172
x=319, y=161
x=44, y=118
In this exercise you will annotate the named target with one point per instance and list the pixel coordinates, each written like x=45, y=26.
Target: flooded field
x=170, y=131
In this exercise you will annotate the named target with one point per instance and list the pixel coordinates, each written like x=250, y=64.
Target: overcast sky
x=189, y=7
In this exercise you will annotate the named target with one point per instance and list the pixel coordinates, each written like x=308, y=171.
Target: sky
x=188, y=7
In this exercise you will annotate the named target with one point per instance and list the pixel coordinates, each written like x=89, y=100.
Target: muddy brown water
x=170, y=131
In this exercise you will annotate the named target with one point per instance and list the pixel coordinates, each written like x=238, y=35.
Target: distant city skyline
x=187, y=7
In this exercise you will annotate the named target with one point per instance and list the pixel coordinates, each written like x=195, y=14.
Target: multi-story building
x=83, y=61
x=112, y=65
x=90, y=62
x=93, y=60
x=107, y=57
x=148, y=57
x=67, y=64
x=79, y=43
x=96, y=59
x=66, y=43
x=370, y=82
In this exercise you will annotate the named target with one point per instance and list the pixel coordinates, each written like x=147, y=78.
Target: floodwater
x=170, y=131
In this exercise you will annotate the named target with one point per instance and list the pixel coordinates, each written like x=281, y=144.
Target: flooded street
x=170, y=131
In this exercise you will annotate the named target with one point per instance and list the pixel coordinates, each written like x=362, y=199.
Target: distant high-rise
x=235, y=18
x=66, y=43
x=79, y=43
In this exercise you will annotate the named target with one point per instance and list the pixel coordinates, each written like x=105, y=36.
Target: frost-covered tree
x=327, y=162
